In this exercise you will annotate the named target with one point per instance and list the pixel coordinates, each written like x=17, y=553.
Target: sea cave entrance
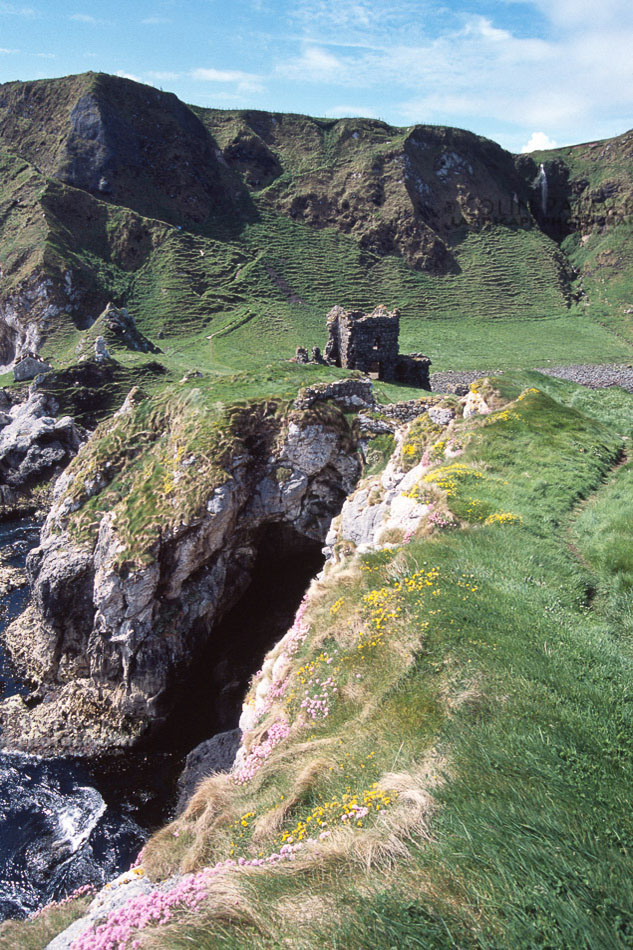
x=211, y=699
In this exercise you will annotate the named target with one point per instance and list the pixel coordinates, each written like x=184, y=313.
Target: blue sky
x=538, y=72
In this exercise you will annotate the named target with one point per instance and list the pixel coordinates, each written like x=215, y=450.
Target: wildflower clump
x=260, y=752
x=336, y=606
x=448, y=477
x=349, y=808
x=380, y=607
x=421, y=434
x=384, y=605
x=439, y=519
x=527, y=392
x=503, y=517
x=158, y=907
x=319, y=689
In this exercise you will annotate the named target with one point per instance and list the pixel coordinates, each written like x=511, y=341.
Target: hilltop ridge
x=249, y=226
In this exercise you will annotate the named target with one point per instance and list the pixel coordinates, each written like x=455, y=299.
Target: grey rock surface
x=216, y=754
x=121, y=326
x=441, y=416
x=112, y=641
x=101, y=350
x=108, y=900
x=359, y=520
x=34, y=445
x=29, y=367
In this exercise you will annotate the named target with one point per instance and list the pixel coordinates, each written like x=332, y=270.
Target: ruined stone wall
x=349, y=394
x=413, y=370
x=368, y=342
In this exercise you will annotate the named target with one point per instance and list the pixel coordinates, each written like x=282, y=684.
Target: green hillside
x=299, y=214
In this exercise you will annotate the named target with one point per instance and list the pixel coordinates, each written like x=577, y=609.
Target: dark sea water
x=56, y=830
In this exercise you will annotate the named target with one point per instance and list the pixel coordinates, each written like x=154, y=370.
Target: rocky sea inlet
x=66, y=822
x=62, y=824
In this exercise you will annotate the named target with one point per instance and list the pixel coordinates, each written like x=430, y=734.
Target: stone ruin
x=369, y=343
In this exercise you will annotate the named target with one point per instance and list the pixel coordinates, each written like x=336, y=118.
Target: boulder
x=34, y=445
x=216, y=754
x=101, y=350
x=28, y=367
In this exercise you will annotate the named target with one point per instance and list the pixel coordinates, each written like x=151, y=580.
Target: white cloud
x=123, y=75
x=155, y=20
x=224, y=75
x=538, y=142
x=12, y=10
x=345, y=112
x=250, y=88
x=585, y=15
x=246, y=84
x=358, y=16
x=86, y=18
x=316, y=65
x=2, y=50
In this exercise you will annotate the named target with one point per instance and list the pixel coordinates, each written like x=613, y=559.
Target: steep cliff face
x=583, y=197
x=132, y=145
x=396, y=191
x=588, y=187
x=140, y=558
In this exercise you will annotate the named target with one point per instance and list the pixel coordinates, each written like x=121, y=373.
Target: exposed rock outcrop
x=112, y=636
x=28, y=310
x=119, y=326
x=34, y=445
x=389, y=507
x=216, y=754
x=29, y=366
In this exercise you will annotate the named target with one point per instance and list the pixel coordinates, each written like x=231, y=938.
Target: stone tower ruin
x=369, y=343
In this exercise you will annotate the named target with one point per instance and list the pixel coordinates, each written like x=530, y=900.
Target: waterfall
x=541, y=181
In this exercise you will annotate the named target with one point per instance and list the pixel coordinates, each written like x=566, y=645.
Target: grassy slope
x=492, y=313
x=516, y=690
x=261, y=285
x=485, y=689
x=21, y=219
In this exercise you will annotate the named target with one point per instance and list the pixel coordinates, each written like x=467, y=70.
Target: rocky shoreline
x=592, y=375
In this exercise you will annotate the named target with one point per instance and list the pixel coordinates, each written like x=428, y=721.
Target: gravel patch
x=594, y=376
x=458, y=381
